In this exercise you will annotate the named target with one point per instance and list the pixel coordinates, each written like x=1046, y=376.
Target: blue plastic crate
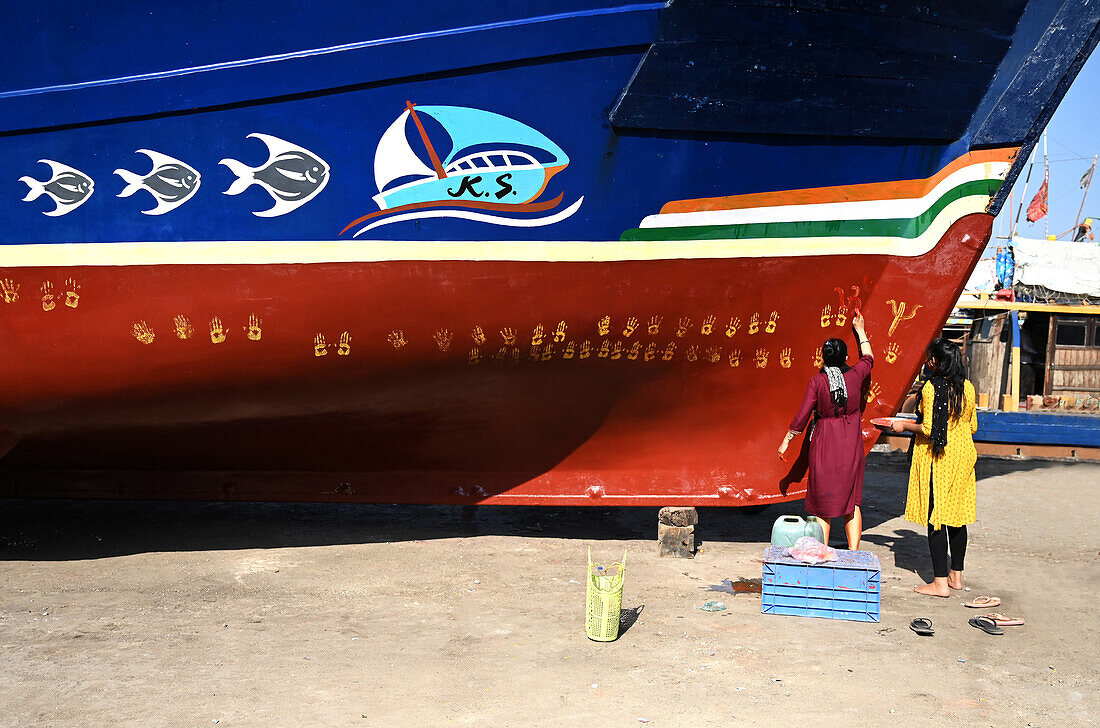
x=848, y=588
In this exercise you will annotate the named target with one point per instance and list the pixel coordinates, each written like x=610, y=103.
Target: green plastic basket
x=603, y=600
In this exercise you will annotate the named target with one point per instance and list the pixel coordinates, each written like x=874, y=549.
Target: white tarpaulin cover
x=1058, y=265
x=984, y=277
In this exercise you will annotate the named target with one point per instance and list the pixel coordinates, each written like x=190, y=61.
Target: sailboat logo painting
x=457, y=162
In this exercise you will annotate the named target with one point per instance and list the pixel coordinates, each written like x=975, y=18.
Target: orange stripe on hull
x=843, y=193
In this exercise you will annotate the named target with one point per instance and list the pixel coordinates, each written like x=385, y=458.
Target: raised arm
x=861, y=335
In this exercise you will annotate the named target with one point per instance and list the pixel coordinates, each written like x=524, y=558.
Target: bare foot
x=933, y=589
x=955, y=580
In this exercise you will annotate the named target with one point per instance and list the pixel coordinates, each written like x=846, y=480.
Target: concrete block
x=678, y=516
x=676, y=541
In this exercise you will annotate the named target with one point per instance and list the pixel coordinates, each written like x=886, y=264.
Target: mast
x=1046, y=181
x=1088, y=184
x=427, y=143
x=1023, y=198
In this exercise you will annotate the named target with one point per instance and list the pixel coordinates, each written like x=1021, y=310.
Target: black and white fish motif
x=170, y=182
x=69, y=188
x=291, y=175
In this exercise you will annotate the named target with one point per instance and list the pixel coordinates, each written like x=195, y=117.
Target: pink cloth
x=812, y=551
x=837, y=459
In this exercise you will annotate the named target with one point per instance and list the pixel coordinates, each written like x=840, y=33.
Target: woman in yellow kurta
x=942, y=488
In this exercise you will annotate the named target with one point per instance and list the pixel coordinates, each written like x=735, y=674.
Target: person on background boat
x=837, y=460
x=942, y=488
x=1084, y=230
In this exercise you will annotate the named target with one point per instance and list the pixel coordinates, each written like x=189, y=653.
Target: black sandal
x=922, y=626
x=986, y=624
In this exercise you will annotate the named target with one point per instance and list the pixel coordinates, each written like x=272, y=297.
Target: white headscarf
x=838, y=390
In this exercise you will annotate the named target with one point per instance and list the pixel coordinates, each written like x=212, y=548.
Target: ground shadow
x=72, y=529
x=909, y=548
x=628, y=617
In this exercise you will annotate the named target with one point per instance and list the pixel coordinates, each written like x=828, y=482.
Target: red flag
x=1038, y=206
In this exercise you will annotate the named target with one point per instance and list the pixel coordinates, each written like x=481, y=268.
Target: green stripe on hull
x=889, y=227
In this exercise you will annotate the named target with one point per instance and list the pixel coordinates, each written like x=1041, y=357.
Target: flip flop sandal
x=983, y=603
x=1003, y=621
x=922, y=626
x=986, y=625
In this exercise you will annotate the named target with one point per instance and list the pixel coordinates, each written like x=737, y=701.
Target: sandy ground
x=151, y=614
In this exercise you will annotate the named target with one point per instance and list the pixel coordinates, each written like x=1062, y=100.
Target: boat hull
x=628, y=382
x=198, y=275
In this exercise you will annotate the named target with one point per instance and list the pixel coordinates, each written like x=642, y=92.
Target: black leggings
x=939, y=540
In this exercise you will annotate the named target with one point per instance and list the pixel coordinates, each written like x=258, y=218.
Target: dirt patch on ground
x=152, y=614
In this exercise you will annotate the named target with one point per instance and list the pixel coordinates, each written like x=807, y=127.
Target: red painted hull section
x=267, y=419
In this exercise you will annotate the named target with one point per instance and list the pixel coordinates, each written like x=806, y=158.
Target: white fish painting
x=69, y=188
x=170, y=182
x=291, y=175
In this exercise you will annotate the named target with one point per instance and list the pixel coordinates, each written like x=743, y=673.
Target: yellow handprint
x=818, y=361
x=534, y=352
x=735, y=358
x=474, y=357
x=631, y=327
x=874, y=392
x=826, y=316
x=570, y=350
x=547, y=352
x=708, y=326
x=785, y=358
x=443, y=339
x=143, y=332
x=253, y=330
x=344, y=347
x=754, y=323
x=184, y=329
x=48, y=301
x=692, y=353
x=669, y=351
x=478, y=335
x=773, y=321
x=616, y=350
x=537, y=335
x=713, y=354
x=320, y=348
x=586, y=349
x=761, y=359
x=655, y=324
x=732, y=326
x=72, y=296
x=603, y=326
x=509, y=336
x=892, y=352
x=650, y=351
x=396, y=338
x=10, y=289
x=841, y=315
x=635, y=350
x=218, y=332
x=559, y=332
x=605, y=349
x=682, y=327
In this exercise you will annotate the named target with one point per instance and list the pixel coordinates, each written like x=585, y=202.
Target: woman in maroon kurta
x=833, y=397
